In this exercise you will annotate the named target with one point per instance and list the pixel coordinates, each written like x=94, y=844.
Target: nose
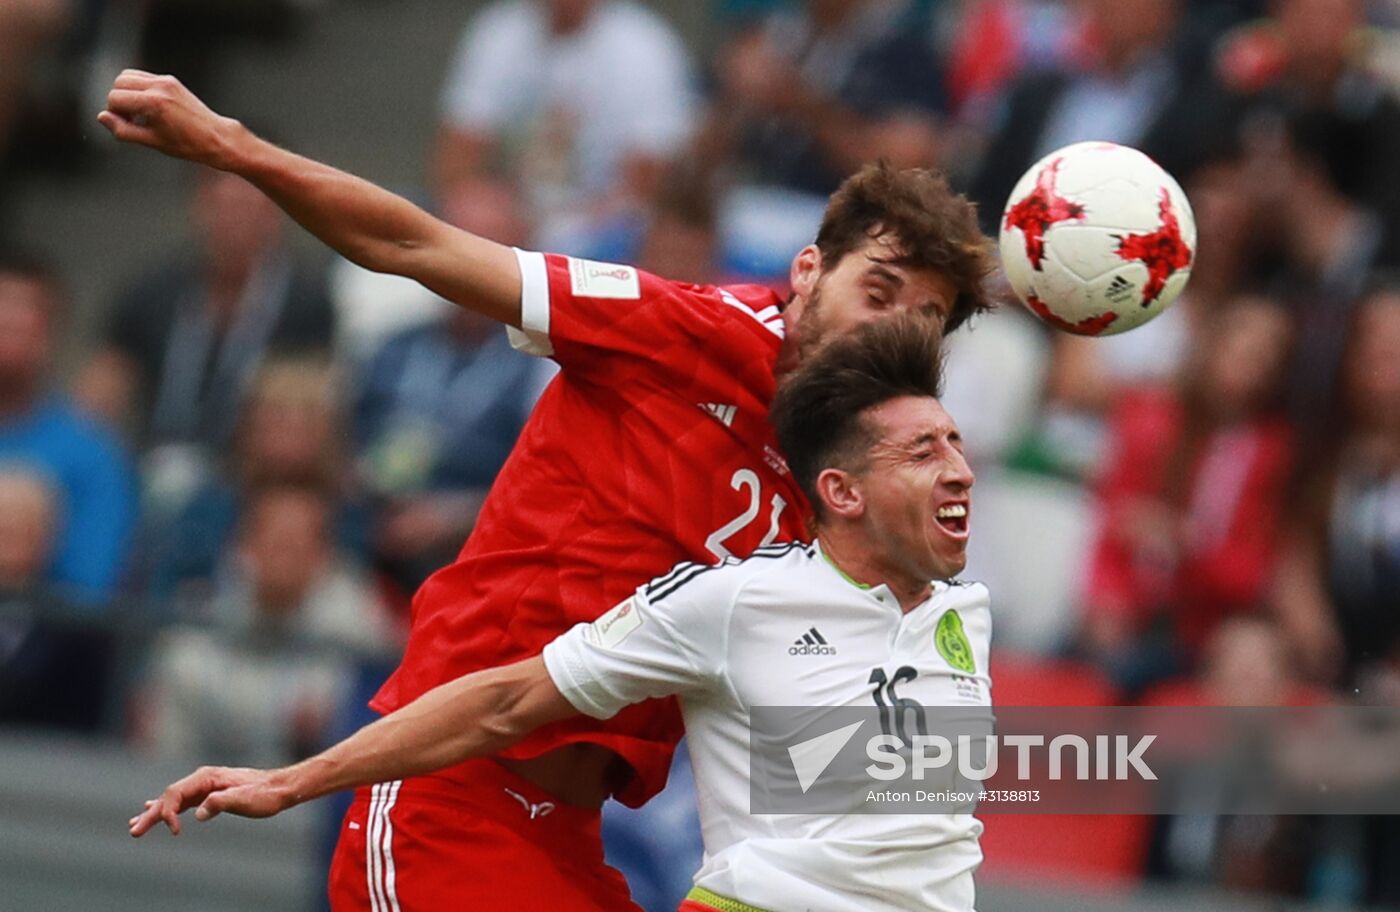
x=958, y=473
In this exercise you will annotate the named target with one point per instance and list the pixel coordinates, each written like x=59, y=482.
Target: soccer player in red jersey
x=650, y=448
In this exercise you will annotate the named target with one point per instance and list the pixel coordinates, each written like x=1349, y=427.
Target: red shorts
x=437, y=844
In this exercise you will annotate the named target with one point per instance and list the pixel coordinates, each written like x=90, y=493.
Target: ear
x=805, y=271
x=840, y=493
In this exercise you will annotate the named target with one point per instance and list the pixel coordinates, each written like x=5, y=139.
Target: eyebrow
x=929, y=437
x=888, y=275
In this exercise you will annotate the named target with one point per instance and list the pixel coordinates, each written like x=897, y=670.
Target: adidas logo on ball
x=811, y=643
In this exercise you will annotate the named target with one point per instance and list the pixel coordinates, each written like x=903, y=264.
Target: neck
x=846, y=550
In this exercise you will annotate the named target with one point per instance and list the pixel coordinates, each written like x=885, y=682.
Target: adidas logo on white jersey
x=811, y=643
x=722, y=413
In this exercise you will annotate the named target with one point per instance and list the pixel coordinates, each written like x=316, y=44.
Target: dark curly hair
x=934, y=227
x=819, y=411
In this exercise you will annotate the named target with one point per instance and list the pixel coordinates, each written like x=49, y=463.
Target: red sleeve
x=608, y=320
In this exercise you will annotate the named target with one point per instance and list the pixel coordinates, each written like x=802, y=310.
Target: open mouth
x=952, y=518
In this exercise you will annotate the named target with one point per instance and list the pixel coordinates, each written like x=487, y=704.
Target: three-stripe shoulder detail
x=770, y=317
x=685, y=572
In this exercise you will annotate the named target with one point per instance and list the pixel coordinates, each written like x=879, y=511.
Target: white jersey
x=786, y=628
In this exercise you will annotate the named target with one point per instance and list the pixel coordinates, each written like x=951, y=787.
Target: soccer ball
x=1097, y=239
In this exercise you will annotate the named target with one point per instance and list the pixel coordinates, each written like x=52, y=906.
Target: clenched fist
x=159, y=112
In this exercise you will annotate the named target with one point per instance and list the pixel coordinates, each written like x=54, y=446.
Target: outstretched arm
x=365, y=223
x=474, y=716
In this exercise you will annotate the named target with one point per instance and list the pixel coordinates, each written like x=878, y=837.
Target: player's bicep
x=470, y=271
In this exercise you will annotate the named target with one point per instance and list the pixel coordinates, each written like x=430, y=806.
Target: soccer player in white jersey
x=812, y=626
x=882, y=463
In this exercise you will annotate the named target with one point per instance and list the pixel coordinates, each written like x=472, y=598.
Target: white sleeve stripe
x=534, y=291
x=533, y=335
x=767, y=322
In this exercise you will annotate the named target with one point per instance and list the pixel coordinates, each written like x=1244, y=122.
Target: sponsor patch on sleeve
x=612, y=628
x=591, y=279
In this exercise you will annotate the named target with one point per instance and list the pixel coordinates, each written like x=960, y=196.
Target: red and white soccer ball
x=1097, y=239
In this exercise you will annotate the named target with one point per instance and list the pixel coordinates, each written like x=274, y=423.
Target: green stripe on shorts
x=720, y=903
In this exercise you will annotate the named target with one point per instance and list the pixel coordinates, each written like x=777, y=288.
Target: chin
x=951, y=568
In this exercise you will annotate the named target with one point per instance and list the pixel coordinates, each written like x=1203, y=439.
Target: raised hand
x=159, y=112
x=212, y=790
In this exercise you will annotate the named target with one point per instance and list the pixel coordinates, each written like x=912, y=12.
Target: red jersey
x=651, y=447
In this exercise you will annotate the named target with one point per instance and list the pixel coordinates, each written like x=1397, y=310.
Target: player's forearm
x=476, y=715
x=379, y=230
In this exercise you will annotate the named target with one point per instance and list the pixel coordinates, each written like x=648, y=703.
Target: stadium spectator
x=262, y=676
x=1340, y=581
x=292, y=431
x=1320, y=245
x=1245, y=663
x=993, y=42
x=1190, y=499
x=28, y=527
x=680, y=239
x=438, y=411
x=812, y=92
x=181, y=346
x=582, y=102
x=1314, y=58
x=803, y=96
x=53, y=667
x=1137, y=80
x=87, y=468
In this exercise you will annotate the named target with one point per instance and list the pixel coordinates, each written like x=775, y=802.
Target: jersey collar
x=881, y=592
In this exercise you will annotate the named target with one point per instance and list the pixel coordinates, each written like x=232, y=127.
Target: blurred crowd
x=210, y=531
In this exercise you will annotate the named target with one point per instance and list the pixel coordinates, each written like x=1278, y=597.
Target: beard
x=811, y=327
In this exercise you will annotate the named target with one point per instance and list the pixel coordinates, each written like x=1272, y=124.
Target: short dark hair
x=819, y=411
x=934, y=227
